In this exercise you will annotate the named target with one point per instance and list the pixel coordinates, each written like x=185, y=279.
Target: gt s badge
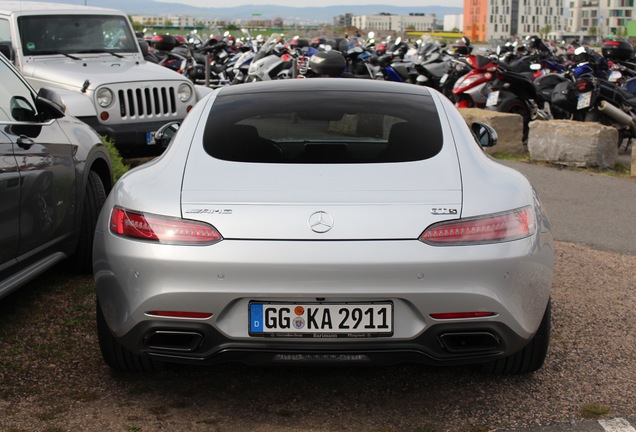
x=443, y=211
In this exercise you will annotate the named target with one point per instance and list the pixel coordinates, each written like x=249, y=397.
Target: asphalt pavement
x=596, y=210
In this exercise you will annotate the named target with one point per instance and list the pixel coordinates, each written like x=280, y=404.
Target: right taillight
x=494, y=228
x=161, y=229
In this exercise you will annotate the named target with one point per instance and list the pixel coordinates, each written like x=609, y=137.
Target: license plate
x=321, y=320
x=585, y=100
x=150, y=138
x=443, y=79
x=493, y=98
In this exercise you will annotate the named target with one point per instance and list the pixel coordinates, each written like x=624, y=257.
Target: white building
x=453, y=22
x=508, y=18
x=174, y=20
x=606, y=16
x=397, y=23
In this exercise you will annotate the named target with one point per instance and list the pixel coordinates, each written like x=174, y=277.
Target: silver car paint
x=512, y=279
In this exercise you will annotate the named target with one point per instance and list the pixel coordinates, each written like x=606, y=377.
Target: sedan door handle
x=25, y=142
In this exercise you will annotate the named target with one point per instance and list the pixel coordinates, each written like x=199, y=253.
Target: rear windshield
x=323, y=127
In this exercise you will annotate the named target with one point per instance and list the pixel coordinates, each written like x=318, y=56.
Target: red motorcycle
x=470, y=90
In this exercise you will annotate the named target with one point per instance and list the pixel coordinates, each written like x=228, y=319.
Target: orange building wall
x=475, y=19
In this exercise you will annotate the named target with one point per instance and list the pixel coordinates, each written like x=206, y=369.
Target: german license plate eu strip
x=321, y=320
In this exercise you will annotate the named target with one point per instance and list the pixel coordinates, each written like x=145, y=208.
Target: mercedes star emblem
x=320, y=222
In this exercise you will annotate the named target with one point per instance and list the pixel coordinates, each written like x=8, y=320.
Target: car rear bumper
x=512, y=280
x=442, y=344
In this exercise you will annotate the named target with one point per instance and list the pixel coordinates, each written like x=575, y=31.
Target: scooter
x=470, y=90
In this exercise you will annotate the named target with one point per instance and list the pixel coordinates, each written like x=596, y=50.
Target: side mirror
x=164, y=135
x=49, y=103
x=485, y=134
x=6, y=50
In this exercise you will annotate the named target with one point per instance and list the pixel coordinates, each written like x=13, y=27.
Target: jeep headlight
x=185, y=92
x=104, y=97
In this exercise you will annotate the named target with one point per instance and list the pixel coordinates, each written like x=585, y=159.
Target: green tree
x=544, y=31
x=592, y=31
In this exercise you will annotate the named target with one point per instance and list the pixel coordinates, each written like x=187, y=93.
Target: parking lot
x=52, y=376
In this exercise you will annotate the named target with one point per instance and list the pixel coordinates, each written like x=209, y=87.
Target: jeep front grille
x=141, y=102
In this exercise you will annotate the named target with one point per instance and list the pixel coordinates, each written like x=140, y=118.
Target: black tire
x=530, y=358
x=517, y=106
x=118, y=357
x=94, y=198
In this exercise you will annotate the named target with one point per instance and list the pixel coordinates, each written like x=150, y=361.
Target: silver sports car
x=324, y=221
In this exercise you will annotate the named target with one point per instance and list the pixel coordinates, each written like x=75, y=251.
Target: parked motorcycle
x=470, y=90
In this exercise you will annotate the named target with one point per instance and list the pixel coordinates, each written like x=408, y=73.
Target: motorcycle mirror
x=498, y=49
x=371, y=35
x=226, y=34
x=535, y=66
x=398, y=40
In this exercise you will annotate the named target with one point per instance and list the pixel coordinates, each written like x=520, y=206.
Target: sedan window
x=15, y=98
x=323, y=127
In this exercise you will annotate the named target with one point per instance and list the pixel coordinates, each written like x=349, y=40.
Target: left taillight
x=495, y=228
x=161, y=229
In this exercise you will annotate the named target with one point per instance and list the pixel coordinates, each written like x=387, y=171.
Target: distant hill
x=289, y=14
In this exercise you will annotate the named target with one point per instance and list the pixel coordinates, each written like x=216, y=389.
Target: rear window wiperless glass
x=323, y=127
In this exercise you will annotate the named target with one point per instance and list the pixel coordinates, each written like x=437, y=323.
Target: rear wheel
x=118, y=357
x=94, y=198
x=530, y=358
x=517, y=106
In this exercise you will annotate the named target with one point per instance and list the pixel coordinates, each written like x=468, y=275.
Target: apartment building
x=486, y=20
x=397, y=23
x=600, y=17
x=476, y=19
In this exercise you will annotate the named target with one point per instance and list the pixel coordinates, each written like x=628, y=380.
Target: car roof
x=325, y=84
x=28, y=8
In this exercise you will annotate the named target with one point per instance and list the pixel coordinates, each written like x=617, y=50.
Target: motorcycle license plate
x=493, y=98
x=321, y=320
x=150, y=138
x=585, y=100
x=443, y=79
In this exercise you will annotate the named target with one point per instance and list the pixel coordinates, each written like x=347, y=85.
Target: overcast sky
x=319, y=3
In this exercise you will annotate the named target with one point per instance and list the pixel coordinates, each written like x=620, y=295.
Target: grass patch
x=516, y=157
x=594, y=410
x=118, y=165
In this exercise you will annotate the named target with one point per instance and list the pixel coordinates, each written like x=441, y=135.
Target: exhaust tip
x=175, y=341
x=468, y=342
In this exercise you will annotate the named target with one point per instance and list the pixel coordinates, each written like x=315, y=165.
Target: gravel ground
x=52, y=377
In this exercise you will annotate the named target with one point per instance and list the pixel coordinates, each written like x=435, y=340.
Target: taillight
x=494, y=228
x=161, y=229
